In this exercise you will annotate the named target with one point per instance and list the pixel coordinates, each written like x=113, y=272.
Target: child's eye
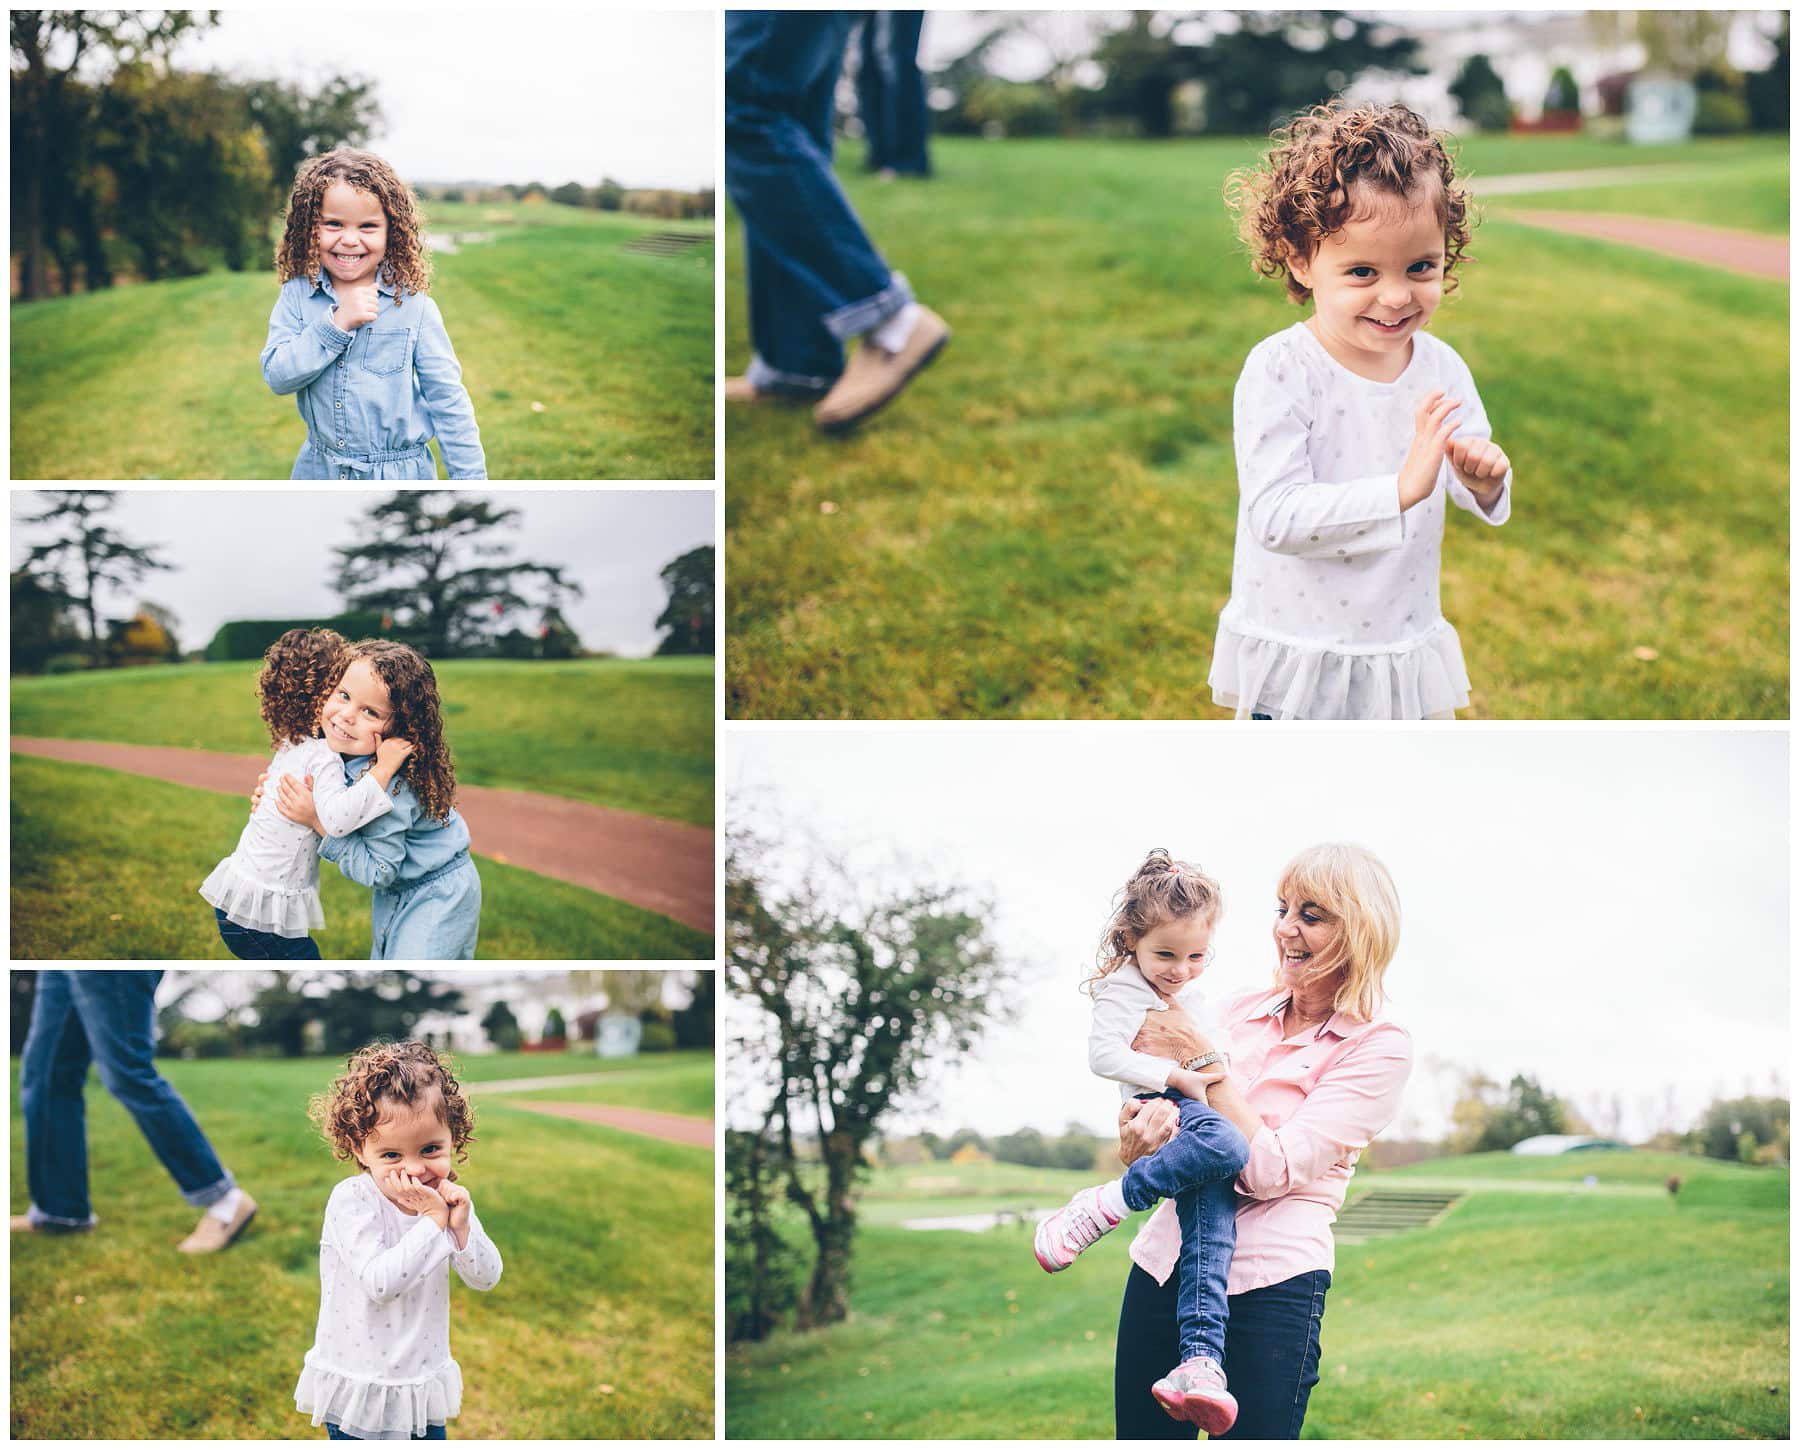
x=1422, y=267
x=1362, y=271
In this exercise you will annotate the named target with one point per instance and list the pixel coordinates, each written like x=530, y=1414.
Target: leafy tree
x=420, y=559
x=364, y=1006
x=609, y=195
x=1727, y=1124
x=98, y=557
x=1527, y=1111
x=1481, y=93
x=861, y=1002
x=694, y=1022
x=502, y=1027
x=1766, y=90
x=148, y=635
x=41, y=626
x=277, y=1015
x=762, y=1272
x=554, y=1026
x=1563, y=94
x=569, y=193
x=297, y=123
x=1143, y=67
x=688, y=616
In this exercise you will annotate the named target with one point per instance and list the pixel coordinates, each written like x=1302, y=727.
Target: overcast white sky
x=1606, y=910
x=262, y=555
x=503, y=94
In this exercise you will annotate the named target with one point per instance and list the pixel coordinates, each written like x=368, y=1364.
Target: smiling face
x=353, y=233
x=413, y=1139
x=1173, y=954
x=1306, y=937
x=357, y=714
x=1376, y=282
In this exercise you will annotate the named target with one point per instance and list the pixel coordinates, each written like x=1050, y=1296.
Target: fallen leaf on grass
x=826, y=506
x=1644, y=652
x=537, y=407
x=81, y=1298
x=608, y=1389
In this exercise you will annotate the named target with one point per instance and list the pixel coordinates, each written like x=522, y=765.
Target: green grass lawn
x=683, y=1086
x=616, y=347
x=600, y=1327
x=1527, y=1312
x=108, y=865
x=1043, y=526
x=633, y=734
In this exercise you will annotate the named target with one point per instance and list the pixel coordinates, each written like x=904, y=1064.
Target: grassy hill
x=600, y=1327
x=1043, y=526
x=1538, y=1308
x=543, y=305
x=633, y=734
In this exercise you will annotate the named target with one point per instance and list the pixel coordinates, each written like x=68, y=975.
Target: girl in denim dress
x=355, y=338
x=427, y=903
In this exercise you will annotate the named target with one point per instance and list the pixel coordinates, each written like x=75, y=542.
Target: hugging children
x=1352, y=429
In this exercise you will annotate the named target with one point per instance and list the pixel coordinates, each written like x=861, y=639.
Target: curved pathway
x=1754, y=253
x=671, y=1127
x=662, y=866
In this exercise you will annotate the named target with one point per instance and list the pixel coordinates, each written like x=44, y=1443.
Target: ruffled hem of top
x=1293, y=679
x=281, y=911
x=378, y=1409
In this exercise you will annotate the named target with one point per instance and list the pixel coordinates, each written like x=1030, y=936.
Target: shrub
x=659, y=1035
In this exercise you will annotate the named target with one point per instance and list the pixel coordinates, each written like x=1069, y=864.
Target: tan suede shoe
x=741, y=390
x=875, y=376
x=22, y=1224
x=209, y=1236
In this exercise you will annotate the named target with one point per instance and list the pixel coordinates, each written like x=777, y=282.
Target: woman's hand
x=457, y=1198
x=1145, y=1124
x=256, y=795
x=295, y=801
x=412, y=1195
x=1171, y=1034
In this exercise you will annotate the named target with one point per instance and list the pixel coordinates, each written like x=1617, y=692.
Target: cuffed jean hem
x=766, y=379
x=211, y=1194
x=853, y=319
x=40, y=1219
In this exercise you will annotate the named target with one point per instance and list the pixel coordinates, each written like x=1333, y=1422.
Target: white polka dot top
x=1334, y=592
x=380, y=1365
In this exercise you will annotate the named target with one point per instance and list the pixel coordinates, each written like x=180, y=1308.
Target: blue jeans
x=262, y=946
x=890, y=92
x=1196, y=1168
x=106, y=1018
x=1271, y=1357
x=815, y=278
x=432, y=1432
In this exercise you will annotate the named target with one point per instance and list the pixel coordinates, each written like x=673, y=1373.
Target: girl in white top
x=1156, y=946
x=380, y=1365
x=265, y=894
x=1352, y=428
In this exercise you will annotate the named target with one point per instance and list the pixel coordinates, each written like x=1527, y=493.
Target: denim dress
x=373, y=398
x=427, y=904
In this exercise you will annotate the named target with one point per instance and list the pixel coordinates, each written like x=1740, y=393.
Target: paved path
x=1518, y=183
x=1754, y=253
x=662, y=866
x=671, y=1127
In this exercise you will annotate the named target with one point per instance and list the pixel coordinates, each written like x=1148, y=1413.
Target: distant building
x=1548, y=1145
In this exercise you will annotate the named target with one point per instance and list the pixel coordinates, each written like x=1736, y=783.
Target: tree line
x=658, y=201
x=427, y=568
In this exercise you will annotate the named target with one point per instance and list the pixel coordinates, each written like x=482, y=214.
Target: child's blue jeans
x=264, y=946
x=432, y=1432
x=1196, y=1168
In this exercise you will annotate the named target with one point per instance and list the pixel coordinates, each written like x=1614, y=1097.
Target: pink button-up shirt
x=1322, y=1097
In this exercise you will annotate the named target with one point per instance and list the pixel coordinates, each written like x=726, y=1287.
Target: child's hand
x=295, y=801
x=1480, y=466
x=1432, y=427
x=415, y=1197
x=356, y=306
x=391, y=754
x=457, y=1197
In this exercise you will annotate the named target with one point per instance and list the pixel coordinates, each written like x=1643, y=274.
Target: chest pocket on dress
x=384, y=351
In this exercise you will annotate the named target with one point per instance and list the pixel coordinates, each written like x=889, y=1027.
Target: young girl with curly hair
x=354, y=335
x=1155, y=947
x=1352, y=428
x=380, y=1365
x=427, y=903
x=265, y=894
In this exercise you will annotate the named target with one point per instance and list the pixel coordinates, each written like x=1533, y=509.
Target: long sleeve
x=352, y=1228
x=452, y=412
x=1288, y=509
x=371, y=857
x=346, y=808
x=1352, y=1101
x=1473, y=423
x=478, y=1265
x=1118, y=1013
x=296, y=353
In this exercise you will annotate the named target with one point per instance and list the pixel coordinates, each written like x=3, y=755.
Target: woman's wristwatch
x=1194, y=1064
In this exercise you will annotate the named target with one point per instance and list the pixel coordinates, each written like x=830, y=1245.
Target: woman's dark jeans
x=432, y=1432
x=264, y=946
x=1271, y=1357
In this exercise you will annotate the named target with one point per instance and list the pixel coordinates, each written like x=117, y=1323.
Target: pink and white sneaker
x=1065, y=1233
x=1196, y=1392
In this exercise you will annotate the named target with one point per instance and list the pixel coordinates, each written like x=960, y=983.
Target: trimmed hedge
x=249, y=639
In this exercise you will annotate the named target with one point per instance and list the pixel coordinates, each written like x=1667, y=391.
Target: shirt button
x=340, y=362
x=337, y=405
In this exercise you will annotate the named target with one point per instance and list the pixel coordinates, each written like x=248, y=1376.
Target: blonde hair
x=1161, y=890
x=1350, y=885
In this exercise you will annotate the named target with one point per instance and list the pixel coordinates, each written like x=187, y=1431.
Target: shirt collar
x=322, y=283
x=1338, y=1024
x=355, y=765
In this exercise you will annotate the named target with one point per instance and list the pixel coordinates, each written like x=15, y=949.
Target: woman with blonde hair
x=1317, y=1070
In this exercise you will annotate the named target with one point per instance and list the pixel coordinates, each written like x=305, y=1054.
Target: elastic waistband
x=455, y=863
x=366, y=460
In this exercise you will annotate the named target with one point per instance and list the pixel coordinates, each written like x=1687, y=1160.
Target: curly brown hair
x=390, y=1072
x=406, y=266
x=1300, y=193
x=417, y=716
x=1161, y=890
x=298, y=671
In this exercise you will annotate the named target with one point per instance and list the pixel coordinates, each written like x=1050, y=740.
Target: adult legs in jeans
x=1196, y=1168
x=105, y=1018
x=890, y=92
x=1271, y=1356
x=815, y=278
